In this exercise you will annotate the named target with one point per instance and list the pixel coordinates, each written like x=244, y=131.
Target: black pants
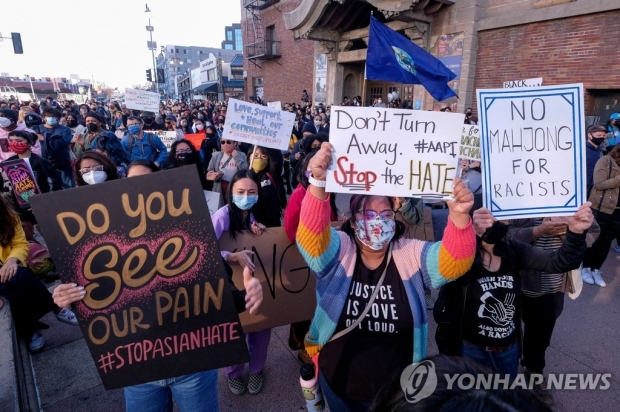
x=29, y=300
x=539, y=315
x=610, y=228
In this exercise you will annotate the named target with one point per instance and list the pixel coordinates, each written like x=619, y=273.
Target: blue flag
x=393, y=57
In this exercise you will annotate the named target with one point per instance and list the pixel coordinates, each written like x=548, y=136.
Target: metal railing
x=265, y=49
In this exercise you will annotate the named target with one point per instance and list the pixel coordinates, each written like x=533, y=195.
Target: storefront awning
x=210, y=87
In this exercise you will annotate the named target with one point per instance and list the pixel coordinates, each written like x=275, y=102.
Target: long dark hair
x=9, y=220
x=172, y=161
x=109, y=167
x=237, y=222
x=359, y=202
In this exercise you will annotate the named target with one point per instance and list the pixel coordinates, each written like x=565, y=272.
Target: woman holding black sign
x=28, y=297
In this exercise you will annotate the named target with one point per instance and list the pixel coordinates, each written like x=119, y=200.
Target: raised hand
x=582, y=219
x=463, y=200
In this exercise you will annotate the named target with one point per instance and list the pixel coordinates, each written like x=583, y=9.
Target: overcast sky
x=105, y=39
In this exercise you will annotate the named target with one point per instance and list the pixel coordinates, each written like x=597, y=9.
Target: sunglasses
x=227, y=142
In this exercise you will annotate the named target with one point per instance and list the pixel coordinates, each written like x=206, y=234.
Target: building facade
x=233, y=39
x=485, y=42
x=176, y=60
x=278, y=67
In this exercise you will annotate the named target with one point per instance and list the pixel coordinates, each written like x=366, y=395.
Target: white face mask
x=4, y=122
x=199, y=127
x=376, y=233
x=94, y=177
x=317, y=123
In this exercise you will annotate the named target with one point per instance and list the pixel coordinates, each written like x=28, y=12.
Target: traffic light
x=149, y=76
x=160, y=76
x=17, y=43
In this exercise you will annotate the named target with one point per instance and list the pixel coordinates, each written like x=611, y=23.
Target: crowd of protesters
x=70, y=145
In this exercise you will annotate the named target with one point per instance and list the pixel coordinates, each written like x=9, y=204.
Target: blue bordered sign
x=533, y=150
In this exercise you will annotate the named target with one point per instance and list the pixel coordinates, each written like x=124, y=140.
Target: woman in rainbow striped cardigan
x=349, y=264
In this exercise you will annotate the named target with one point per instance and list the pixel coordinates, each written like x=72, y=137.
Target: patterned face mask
x=375, y=233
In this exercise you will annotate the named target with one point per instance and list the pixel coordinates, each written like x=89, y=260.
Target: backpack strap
x=129, y=143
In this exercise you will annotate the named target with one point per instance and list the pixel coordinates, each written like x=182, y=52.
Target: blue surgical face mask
x=245, y=202
x=134, y=129
x=52, y=121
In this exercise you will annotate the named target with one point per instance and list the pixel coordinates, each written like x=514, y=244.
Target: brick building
x=486, y=42
x=277, y=66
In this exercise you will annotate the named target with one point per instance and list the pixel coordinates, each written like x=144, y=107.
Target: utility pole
x=34, y=97
x=150, y=29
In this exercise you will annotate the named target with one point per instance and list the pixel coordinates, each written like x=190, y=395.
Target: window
x=184, y=51
x=171, y=50
x=237, y=33
x=177, y=50
x=199, y=51
x=229, y=35
x=228, y=46
x=188, y=60
x=211, y=75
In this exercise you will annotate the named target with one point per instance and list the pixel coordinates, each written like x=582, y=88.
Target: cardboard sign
x=533, y=150
x=393, y=152
x=275, y=105
x=196, y=139
x=259, y=125
x=158, y=303
x=288, y=285
x=166, y=137
x=470, y=143
x=514, y=84
x=142, y=100
x=22, y=181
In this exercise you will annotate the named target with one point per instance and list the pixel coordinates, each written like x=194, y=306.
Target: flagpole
x=364, y=91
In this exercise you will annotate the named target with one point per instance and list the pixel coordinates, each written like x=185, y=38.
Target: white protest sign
x=214, y=200
x=533, y=153
x=142, y=100
x=513, y=84
x=393, y=152
x=470, y=143
x=166, y=137
x=259, y=125
x=275, y=105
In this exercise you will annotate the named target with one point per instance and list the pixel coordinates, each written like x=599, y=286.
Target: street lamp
x=152, y=46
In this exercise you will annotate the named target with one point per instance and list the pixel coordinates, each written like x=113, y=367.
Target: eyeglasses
x=370, y=214
x=184, y=151
x=98, y=168
x=227, y=142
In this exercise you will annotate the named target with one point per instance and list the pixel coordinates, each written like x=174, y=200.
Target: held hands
x=321, y=161
x=463, y=200
x=582, y=219
x=550, y=227
x=253, y=291
x=243, y=259
x=64, y=295
x=8, y=270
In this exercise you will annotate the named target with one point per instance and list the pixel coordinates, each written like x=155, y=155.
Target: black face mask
x=148, y=120
x=185, y=159
x=495, y=233
x=93, y=127
x=597, y=140
x=72, y=123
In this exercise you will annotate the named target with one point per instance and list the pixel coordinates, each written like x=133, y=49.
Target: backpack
x=154, y=150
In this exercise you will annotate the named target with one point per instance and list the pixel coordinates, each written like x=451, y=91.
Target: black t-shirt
x=492, y=308
x=358, y=364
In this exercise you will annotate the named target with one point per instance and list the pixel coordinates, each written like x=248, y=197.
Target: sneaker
x=37, y=341
x=67, y=316
x=430, y=303
x=598, y=279
x=586, y=275
x=617, y=248
x=544, y=393
x=236, y=386
x=255, y=383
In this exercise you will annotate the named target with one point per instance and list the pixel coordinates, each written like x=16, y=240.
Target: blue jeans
x=505, y=362
x=338, y=404
x=196, y=392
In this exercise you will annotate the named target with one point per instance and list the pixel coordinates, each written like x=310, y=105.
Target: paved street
x=585, y=341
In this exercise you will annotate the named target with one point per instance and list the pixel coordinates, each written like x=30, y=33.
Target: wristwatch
x=317, y=183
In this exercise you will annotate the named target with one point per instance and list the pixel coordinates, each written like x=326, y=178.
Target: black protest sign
x=288, y=285
x=158, y=303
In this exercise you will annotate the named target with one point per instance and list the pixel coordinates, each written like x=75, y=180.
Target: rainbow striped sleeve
x=452, y=257
x=317, y=242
